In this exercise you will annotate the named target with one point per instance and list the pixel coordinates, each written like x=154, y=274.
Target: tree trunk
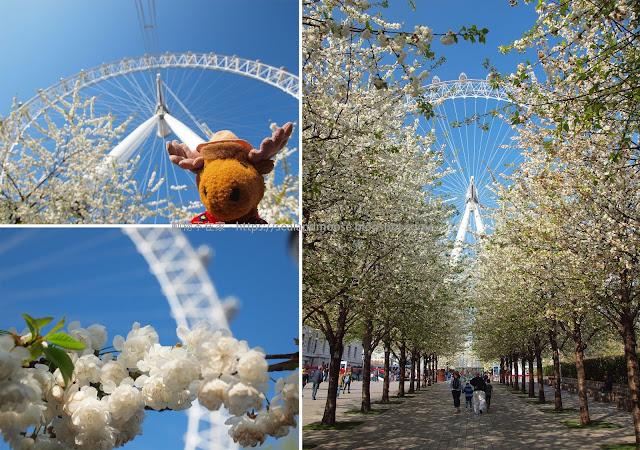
x=418, y=370
x=582, y=386
x=523, y=361
x=516, y=386
x=425, y=361
x=385, y=383
x=412, y=376
x=537, y=343
x=329, y=416
x=502, y=374
x=436, y=374
x=432, y=365
x=556, y=371
x=366, y=366
x=336, y=347
x=532, y=392
x=511, y=371
x=633, y=375
x=401, y=368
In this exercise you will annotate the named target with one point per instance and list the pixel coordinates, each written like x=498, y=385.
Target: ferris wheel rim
x=466, y=87
x=257, y=70
x=177, y=250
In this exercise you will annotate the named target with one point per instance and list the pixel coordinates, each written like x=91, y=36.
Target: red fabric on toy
x=205, y=217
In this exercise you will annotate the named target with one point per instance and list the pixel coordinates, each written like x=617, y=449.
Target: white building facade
x=315, y=349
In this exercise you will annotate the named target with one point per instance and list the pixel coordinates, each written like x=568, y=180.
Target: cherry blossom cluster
x=104, y=403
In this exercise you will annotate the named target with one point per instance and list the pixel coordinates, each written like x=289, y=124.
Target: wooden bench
x=619, y=394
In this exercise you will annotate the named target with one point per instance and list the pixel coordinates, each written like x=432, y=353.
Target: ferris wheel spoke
x=454, y=162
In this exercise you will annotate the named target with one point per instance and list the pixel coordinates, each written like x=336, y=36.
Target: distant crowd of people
x=346, y=376
x=321, y=374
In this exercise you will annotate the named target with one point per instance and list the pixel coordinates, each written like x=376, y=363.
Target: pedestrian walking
x=456, y=390
x=316, y=378
x=488, y=390
x=340, y=383
x=468, y=397
x=346, y=384
x=479, y=396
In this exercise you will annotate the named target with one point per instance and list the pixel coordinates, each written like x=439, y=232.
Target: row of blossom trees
x=564, y=259
x=376, y=263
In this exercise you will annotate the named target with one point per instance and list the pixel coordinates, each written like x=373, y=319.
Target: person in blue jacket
x=468, y=397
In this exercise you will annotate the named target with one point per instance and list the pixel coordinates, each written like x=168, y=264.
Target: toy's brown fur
x=231, y=188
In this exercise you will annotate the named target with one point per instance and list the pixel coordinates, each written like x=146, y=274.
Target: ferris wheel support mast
x=184, y=281
x=472, y=206
x=165, y=124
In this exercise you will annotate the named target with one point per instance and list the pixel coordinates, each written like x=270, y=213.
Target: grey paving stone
x=427, y=421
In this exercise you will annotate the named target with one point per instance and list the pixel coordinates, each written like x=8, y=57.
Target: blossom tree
x=51, y=173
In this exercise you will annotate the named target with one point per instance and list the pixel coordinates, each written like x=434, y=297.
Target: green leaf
x=30, y=324
x=61, y=360
x=35, y=350
x=39, y=323
x=54, y=329
x=5, y=332
x=65, y=341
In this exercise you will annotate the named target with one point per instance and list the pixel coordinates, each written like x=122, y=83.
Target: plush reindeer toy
x=229, y=174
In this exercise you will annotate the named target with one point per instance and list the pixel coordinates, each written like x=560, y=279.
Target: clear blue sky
x=96, y=275
x=505, y=24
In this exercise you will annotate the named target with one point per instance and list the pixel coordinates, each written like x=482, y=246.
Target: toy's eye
x=204, y=191
x=244, y=165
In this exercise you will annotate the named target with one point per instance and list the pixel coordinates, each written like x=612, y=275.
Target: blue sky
x=44, y=41
x=505, y=24
x=96, y=275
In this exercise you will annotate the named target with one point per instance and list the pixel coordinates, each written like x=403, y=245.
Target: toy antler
x=183, y=157
x=271, y=146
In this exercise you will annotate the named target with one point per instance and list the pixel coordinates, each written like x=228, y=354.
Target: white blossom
x=448, y=38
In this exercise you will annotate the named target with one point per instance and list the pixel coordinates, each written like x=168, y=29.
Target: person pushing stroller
x=479, y=396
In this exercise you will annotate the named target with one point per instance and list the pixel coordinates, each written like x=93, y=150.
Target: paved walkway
x=427, y=421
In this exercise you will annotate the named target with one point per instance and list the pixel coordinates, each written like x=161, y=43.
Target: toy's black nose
x=235, y=195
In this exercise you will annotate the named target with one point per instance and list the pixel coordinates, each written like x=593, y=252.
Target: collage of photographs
x=319, y=224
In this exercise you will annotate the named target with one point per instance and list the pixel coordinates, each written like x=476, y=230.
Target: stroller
x=479, y=401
